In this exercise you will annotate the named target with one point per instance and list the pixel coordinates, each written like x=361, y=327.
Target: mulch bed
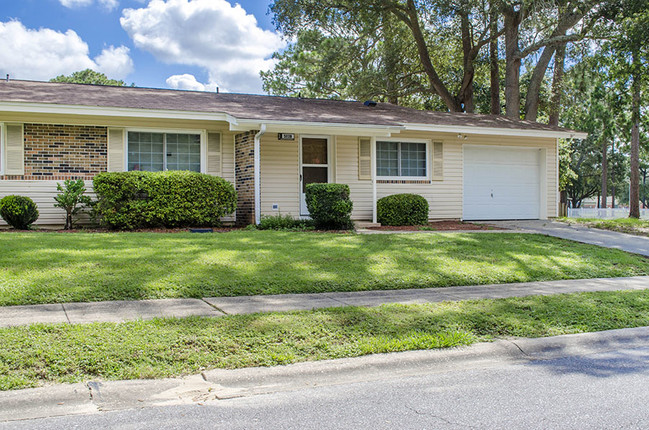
x=105, y=230
x=438, y=226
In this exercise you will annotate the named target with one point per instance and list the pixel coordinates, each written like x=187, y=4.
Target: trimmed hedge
x=402, y=209
x=130, y=200
x=18, y=211
x=329, y=206
x=283, y=222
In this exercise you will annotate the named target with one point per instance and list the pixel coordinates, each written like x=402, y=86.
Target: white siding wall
x=279, y=175
x=42, y=192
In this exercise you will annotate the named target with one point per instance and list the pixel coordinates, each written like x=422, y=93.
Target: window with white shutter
x=14, y=150
x=364, y=159
x=214, y=154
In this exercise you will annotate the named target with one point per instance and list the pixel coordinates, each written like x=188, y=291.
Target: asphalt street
x=590, y=391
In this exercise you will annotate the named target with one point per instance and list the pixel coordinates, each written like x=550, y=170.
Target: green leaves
x=18, y=211
x=329, y=206
x=71, y=199
x=88, y=76
x=130, y=200
x=402, y=209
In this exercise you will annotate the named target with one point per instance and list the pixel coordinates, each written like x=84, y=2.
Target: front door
x=314, y=165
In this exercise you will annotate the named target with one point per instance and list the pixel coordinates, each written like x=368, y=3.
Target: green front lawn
x=39, y=354
x=638, y=227
x=59, y=267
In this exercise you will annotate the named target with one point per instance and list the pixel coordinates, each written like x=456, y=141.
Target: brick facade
x=59, y=152
x=244, y=167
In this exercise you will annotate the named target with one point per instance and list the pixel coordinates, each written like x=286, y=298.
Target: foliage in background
x=89, y=76
x=71, y=199
x=329, y=206
x=130, y=200
x=18, y=211
x=402, y=209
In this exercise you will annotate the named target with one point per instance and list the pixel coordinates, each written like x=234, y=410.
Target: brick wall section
x=58, y=152
x=244, y=167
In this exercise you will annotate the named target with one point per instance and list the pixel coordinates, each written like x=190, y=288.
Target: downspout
x=257, y=176
x=373, y=176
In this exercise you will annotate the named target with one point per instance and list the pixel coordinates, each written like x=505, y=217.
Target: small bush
x=129, y=200
x=18, y=211
x=329, y=206
x=283, y=222
x=71, y=199
x=402, y=209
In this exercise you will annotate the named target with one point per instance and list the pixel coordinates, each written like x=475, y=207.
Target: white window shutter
x=364, y=159
x=438, y=161
x=214, y=154
x=15, y=150
x=116, y=149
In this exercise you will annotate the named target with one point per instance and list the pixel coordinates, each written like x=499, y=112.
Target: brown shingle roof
x=247, y=106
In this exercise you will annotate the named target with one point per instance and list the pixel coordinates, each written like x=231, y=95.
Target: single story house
x=468, y=166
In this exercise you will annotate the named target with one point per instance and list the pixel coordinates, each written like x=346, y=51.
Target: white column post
x=373, y=170
x=257, y=174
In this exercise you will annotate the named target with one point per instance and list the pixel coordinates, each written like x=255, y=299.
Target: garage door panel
x=501, y=183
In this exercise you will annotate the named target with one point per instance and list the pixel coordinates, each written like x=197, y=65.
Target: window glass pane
x=387, y=158
x=184, y=152
x=145, y=151
x=413, y=159
x=313, y=175
x=314, y=151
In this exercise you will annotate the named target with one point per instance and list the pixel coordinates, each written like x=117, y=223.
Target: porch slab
x=30, y=314
x=125, y=310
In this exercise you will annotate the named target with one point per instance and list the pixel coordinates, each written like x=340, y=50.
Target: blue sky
x=187, y=44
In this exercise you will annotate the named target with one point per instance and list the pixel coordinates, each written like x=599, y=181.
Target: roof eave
x=59, y=109
x=517, y=132
x=307, y=127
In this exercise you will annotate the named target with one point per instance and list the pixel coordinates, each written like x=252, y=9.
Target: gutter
x=257, y=175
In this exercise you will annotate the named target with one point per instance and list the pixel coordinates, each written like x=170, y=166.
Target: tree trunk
x=557, y=86
x=466, y=90
x=68, y=221
x=604, y=173
x=512, y=64
x=634, y=176
x=534, y=87
x=412, y=20
x=390, y=56
x=493, y=61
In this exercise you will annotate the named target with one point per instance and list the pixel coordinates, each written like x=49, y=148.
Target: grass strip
x=58, y=268
x=39, y=354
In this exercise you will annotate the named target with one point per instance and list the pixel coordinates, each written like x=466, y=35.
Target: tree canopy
x=88, y=76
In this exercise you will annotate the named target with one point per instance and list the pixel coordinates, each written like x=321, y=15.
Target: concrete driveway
x=593, y=236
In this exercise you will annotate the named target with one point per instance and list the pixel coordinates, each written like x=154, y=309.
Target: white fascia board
x=495, y=131
x=48, y=108
x=323, y=128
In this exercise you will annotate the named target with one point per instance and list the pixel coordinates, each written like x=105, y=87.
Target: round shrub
x=402, y=209
x=130, y=200
x=18, y=211
x=329, y=206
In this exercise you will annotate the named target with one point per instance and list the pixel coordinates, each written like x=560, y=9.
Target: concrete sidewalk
x=119, y=311
x=579, y=233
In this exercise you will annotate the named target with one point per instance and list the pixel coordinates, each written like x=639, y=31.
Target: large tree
x=456, y=43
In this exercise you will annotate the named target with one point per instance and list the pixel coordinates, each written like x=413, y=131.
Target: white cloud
x=108, y=4
x=45, y=53
x=213, y=34
x=115, y=62
x=188, y=82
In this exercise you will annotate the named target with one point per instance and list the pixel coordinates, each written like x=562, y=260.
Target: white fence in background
x=608, y=213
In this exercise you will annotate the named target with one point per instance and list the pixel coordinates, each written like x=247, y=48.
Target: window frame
x=165, y=131
x=426, y=142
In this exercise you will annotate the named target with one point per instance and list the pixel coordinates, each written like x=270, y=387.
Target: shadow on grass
x=170, y=347
x=52, y=268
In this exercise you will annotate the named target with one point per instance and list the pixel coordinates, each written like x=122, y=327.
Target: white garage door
x=501, y=183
